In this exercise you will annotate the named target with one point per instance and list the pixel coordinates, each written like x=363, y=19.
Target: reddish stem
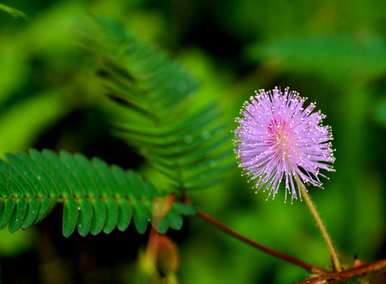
x=357, y=271
x=319, y=274
x=277, y=254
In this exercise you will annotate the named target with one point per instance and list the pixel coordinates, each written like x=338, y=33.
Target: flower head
x=279, y=139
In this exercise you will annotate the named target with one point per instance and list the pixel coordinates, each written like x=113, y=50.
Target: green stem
x=320, y=225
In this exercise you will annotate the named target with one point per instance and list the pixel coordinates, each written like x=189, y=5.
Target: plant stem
x=320, y=225
x=350, y=273
x=319, y=274
x=277, y=254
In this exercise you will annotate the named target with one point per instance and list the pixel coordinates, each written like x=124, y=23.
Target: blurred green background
x=333, y=52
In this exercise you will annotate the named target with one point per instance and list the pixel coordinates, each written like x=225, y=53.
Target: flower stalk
x=314, y=212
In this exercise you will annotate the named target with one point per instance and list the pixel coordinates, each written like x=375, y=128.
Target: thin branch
x=319, y=274
x=350, y=273
x=277, y=254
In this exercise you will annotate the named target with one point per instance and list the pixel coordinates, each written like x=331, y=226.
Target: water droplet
x=188, y=139
x=205, y=134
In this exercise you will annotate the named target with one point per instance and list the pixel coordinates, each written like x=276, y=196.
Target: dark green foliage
x=184, y=141
x=95, y=197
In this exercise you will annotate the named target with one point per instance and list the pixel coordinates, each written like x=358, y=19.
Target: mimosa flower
x=279, y=139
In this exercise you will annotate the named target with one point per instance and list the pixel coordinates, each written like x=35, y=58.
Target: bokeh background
x=333, y=52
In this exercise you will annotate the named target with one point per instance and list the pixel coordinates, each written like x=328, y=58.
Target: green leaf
x=155, y=109
x=12, y=11
x=95, y=197
x=330, y=55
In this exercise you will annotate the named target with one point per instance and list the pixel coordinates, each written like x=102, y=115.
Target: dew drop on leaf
x=205, y=134
x=188, y=139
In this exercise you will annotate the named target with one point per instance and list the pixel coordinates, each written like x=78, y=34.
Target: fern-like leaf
x=185, y=141
x=95, y=197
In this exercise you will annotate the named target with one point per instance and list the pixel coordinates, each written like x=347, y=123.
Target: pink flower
x=279, y=139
